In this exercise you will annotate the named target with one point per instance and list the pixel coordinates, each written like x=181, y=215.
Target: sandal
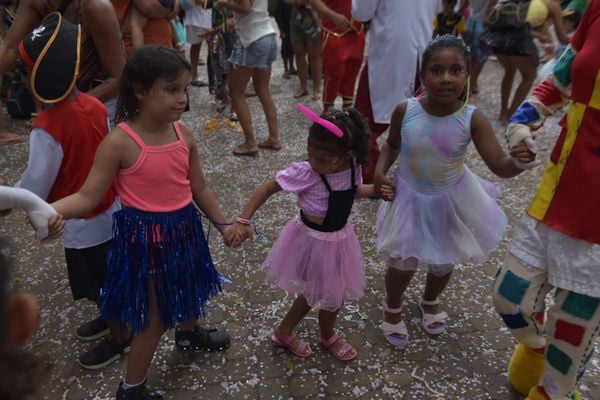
x=390, y=331
x=301, y=349
x=345, y=352
x=430, y=319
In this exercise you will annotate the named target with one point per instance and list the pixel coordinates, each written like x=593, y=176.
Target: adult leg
x=572, y=327
x=261, y=79
x=194, y=57
x=506, y=85
x=334, y=72
x=316, y=69
x=476, y=68
x=300, y=52
x=238, y=80
x=528, y=71
x=363, y=105
x=349, y=82
x=519, y=294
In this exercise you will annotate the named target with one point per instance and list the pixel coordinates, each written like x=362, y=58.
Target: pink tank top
x=158, y=180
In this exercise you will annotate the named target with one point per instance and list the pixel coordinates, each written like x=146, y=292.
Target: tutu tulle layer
x=163, y=251
x=458, y=225
x=326, y=267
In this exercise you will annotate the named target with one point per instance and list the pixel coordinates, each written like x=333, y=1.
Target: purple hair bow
x=330, y=126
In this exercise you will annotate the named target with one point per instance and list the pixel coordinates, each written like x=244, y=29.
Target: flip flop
x=302, y=349
x=344, y=353
x=268, y=144
x=198, y=83
x=238, y=152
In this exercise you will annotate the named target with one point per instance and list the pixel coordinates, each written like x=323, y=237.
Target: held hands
x=56, y=225
x=522, y=145
x=384, y=187
x=236, y=234
x=522, y=156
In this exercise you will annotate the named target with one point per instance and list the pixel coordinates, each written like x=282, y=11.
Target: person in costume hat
x=62, y=143
x=555, y=247
x=102, y=55
x=317, y=255
x=160, y=271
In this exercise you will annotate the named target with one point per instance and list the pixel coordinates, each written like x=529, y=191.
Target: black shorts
x=87, y=270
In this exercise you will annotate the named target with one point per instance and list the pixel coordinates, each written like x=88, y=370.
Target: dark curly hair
x=356, y=134
x=144, y=67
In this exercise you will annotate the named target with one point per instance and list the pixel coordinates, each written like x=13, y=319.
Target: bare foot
x=11, y=138
x=245, y=150
x=270, y=144
x=316, y=95
x=300, y=93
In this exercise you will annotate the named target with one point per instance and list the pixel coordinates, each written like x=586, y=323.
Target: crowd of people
x=123, y=184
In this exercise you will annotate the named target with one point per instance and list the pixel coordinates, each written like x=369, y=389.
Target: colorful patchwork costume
x=557, y=243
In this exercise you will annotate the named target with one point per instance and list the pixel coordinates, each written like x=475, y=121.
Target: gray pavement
x=466, y=362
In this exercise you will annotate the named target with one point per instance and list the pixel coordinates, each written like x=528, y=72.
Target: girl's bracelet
x=243, y=221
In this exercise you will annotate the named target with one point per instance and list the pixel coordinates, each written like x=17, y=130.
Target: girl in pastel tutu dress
x=317, y=255
x=439, y=213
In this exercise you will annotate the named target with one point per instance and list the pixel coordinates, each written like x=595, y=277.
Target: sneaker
x=93, y=330
x=136, y=393
x=105, y=353
x=202, y=339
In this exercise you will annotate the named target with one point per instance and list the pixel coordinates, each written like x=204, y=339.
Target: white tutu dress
x=442, y=213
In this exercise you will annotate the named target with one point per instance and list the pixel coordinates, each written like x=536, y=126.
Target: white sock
x=128, y=386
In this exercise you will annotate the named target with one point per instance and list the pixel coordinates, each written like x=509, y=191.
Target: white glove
x=38, y=211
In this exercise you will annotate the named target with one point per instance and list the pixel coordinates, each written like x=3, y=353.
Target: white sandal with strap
x=390, y=331
x=429, y=319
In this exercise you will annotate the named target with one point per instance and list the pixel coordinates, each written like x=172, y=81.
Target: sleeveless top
x=433, y=148
x=158, y=180
x=256, y=24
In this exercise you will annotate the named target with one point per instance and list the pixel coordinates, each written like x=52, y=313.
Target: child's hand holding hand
x=56, y=225
x=522, y=156
x=384, y=187
x=236, y=234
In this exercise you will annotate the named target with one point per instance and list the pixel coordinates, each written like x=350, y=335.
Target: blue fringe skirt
x=161, y=252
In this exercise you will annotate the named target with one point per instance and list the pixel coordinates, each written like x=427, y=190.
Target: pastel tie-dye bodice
x=433, y=148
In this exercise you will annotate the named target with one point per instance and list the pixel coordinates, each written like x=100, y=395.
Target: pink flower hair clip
x=330, y=126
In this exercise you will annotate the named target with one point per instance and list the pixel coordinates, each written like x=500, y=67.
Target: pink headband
x=330, y=126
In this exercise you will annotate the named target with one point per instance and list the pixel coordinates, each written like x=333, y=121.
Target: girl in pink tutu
x=441, y=213
x=317, y=255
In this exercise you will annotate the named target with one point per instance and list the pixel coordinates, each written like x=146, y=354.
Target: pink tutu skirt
x=325, y=267
x=461, y=224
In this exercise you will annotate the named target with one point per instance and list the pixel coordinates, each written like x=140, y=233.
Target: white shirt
x=400, y=31
x=198, y=17
x=251, y=27
x=43, y=165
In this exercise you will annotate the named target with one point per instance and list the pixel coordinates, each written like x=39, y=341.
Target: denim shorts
x=259, y=54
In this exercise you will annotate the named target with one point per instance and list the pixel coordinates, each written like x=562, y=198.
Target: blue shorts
x=259, y=54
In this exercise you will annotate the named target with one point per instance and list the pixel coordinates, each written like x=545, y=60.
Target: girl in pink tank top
x=160, y=272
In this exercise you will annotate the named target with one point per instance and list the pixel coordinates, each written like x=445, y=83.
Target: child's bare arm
x=492, y=154
x=389, y=151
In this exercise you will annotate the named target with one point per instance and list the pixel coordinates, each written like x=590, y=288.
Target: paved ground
x=467, y=362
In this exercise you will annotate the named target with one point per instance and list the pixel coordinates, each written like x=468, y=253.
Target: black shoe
x=202, y=339
x=137, y=393
x=105, y=353
x=93, y=330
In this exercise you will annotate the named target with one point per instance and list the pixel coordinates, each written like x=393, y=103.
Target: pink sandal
x=302, y=348
x=345, y=353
